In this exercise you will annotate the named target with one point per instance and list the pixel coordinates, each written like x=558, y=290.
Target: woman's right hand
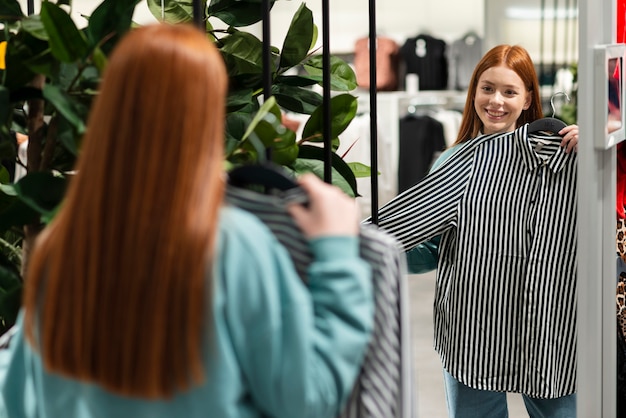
x=330, y=211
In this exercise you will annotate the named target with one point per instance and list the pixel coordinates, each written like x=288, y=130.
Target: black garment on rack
x=425, y=56
x=421, y=140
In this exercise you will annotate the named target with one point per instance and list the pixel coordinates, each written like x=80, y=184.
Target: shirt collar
x=532, y=160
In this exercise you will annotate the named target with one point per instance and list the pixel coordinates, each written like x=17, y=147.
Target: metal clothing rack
x=199, y=17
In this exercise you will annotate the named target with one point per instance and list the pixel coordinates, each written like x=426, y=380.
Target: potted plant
x=50, y=74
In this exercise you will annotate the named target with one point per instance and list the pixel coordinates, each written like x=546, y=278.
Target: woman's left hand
x=570, y=138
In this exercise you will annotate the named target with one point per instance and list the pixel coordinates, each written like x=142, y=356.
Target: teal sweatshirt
x=280, y=348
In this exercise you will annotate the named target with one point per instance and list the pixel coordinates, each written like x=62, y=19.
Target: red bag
x=387, y=59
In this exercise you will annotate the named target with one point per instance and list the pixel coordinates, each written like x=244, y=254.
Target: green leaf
x=65, y=106
x=173, y=11
x=5, y=105
x=33, y=25
x=14, y=212
x=297, y=99
x=67, y=135
x=296, y=80
x=41, y=191
x=237, y=13
x=343, y=110
x=360, y=170
x=10, y=11
x=313, y=157
x=111, y=17
x=304, y=165
x=66, y=41
x=238, y=99
x=268, y=109
x=20, y=49
x=342, y=76
x=243, y=53
x=298, y=39
x=5, y=177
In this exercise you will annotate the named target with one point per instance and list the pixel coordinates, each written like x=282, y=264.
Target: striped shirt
x=505, y=300
x=383, y=387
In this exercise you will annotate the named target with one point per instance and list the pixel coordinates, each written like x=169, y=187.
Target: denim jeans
x=465, y=402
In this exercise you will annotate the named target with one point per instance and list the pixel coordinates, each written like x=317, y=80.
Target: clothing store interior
x=426, y=53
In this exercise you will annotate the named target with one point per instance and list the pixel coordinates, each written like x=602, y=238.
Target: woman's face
x=500, y=99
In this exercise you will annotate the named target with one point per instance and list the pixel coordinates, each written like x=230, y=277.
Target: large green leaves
x=242, y=52
x=299, y=38
x=343, y=109
x=312, y=159
x=67, y=43
x=10, y=11
x=266, y=133
x=171, y=11
x=342, y=77
x=237, y=13
x=110, y=20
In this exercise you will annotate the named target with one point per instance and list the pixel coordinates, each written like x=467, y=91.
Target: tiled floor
x=429, y=396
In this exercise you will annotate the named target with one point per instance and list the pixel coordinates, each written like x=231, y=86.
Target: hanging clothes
x=425, y=56
x=463, y=55
x=383, y=388
x=422, y=139
x=505, y=302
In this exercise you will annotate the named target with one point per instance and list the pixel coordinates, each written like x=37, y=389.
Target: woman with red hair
x=148, y=296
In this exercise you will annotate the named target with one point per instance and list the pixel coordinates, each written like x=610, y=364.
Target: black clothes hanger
x=268, y=178
x=269, y=175
x=551, y=124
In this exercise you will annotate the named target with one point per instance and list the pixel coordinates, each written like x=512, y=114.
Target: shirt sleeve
x=430, y=207
x=423, y=258
x=300, y=348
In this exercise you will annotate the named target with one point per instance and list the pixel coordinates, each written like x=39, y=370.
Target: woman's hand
x=570, y=138
x=330, y=211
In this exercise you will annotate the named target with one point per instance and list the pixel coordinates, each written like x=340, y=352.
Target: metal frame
x=596, y=226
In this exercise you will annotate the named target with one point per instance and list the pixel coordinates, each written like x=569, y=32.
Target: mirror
x=609, y=63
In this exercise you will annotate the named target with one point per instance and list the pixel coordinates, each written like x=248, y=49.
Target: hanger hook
x=552, y=100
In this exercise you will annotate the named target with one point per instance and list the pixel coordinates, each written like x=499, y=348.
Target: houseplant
x=51, y=75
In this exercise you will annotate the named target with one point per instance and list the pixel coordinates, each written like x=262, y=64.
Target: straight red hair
x=117, y=291
x=516, y=58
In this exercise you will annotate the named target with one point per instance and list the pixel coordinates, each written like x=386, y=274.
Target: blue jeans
x=465, y=402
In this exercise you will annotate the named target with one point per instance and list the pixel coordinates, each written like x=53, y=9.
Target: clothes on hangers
x=383, y=387
x=463, y=55
x=421, y=141
x=505, y=304
x=425, y=56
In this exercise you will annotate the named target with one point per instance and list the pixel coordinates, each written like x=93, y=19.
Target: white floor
x=429, y=394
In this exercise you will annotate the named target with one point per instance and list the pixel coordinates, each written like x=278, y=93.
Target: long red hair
x=516, y=58
x=116, y=291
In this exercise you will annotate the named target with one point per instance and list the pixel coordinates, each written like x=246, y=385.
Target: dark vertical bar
x=541, y=37
x=267, y=59
x=198, y=8
x=30, y=7
x=267, y=64
x=326, y=131
x=373, y=112
x=555, y=20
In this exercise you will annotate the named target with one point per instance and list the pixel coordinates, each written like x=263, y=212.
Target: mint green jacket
x=281, y=348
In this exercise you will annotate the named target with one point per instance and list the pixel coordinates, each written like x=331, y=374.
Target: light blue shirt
x=281, y=348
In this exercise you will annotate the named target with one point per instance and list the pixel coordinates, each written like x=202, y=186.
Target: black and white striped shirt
x=505, y=302
x=383, y=387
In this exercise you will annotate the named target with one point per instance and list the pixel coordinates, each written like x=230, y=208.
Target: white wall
x=400, y=19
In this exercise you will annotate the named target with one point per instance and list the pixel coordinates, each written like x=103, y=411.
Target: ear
x=529, y=100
